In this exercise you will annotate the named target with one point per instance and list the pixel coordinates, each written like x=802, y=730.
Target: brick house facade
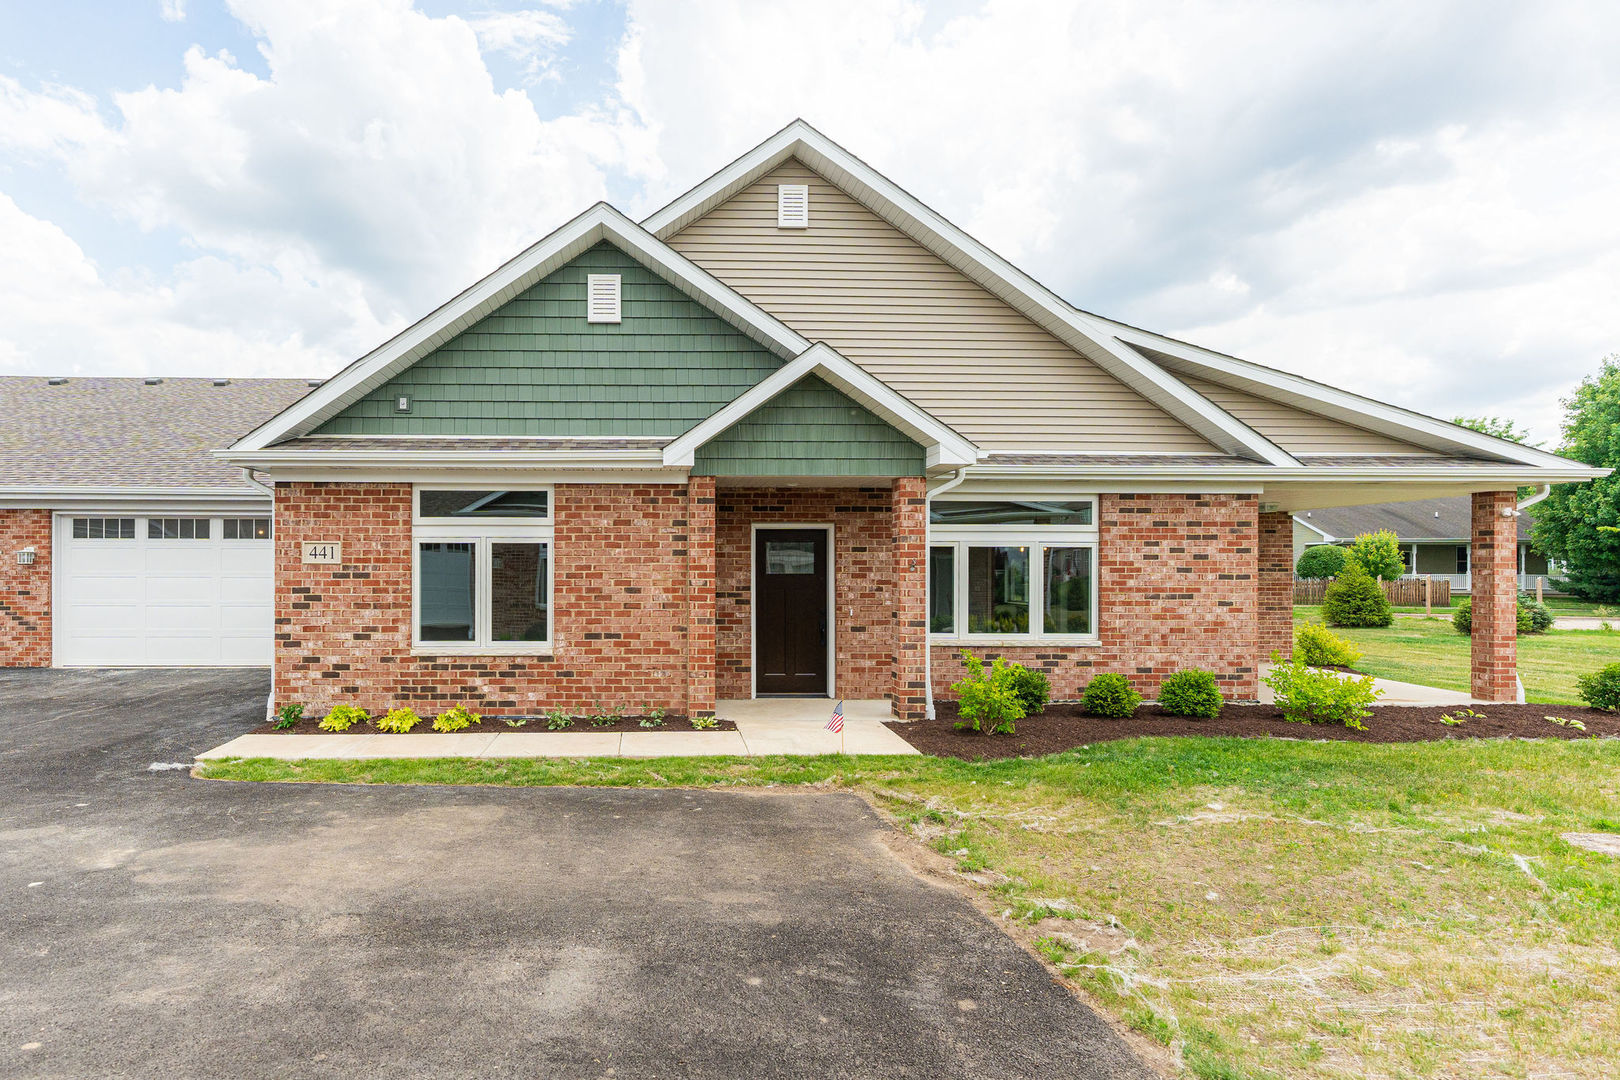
x=25, y=589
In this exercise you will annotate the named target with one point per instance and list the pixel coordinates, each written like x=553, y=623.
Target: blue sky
x=1414, y=201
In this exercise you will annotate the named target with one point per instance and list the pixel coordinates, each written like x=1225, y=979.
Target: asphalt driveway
x=158, y=925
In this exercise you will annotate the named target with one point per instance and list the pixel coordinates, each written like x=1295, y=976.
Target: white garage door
x=169, y=590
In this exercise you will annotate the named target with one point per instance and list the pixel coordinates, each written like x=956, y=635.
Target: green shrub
x=1190, y=693
x=1320, y=561
x=703, y=723
x=653, y=717
x=1462, y=619
x=1109, y=695
x=1308, y=695
x=459, y=718
x=399, y=721
x=1356, y=600
x=557, y=720
x=1379, y=554
x=1541, y=617
x=1601, y=689
x=1528, y=618
x=987, y=700
x=1031, y=686
x=288, y=716
x=1316, y=644
x=344, y=717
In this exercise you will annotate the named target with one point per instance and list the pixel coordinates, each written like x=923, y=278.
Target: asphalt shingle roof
x=1423, y=519
x=112, y=433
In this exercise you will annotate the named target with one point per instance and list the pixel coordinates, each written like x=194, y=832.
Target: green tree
x=1501, y=427
x=1320, y=561
x=1576, y=524
x=1379, y=554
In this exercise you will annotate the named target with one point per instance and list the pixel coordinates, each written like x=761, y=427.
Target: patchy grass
x=1262, y=907
x=1431, y=652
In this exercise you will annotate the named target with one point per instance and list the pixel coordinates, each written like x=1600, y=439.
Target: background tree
x=1379, y=554
x=1320, y=561
x=1501, y=427
x=1575, y=525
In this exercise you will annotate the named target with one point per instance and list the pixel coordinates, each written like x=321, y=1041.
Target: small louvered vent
x=602, y=298
x=792, y=206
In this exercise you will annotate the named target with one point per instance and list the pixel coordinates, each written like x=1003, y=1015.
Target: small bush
x=459, y=718
x=399, y=721
x=703, y=723
x=1109, y=695
x=1031, y=686
x=344, y=717
x=1462, y=619
x=1316, y=644
x=1356, y=600
x=1321, y=561
x=288, y=716
x=1308, y=695
x=653, y=717
x=1541, y=616
x=1190, y=693
x=557, y=720
x=1601, y=689
x=1528, y=618
x=987, y=701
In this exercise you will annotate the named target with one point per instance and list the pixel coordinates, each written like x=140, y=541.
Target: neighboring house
x=1434, y=535
x=794, y=433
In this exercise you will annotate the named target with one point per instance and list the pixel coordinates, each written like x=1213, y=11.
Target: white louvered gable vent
x=602, y=298
x=793, y=206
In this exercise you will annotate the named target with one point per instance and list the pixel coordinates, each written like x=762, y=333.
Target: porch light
x=26, y=556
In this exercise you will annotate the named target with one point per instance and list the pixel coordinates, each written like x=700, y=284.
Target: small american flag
x=836, y=724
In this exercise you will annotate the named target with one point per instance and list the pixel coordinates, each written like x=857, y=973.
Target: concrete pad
x=432, y=745
x=286, y=747
x=554, y=744
x=788, y=737
x=651, y=744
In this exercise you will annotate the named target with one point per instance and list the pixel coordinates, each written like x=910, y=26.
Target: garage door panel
x=103, y=589
x=169, y=589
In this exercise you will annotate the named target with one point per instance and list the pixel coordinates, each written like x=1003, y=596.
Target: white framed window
x=103, y=528
x=792, y=206
x=481, y=570
x=177, y=528
x=602, y=298
x=1011, y=571
x=245, y=528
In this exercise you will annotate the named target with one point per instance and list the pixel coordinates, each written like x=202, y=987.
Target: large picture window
x=483, y=571
x=1012, y=570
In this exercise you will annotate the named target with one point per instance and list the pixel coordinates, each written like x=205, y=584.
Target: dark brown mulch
x=1064, y=727
x=311, y=726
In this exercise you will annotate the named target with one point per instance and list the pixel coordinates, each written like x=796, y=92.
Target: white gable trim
x=945, y=448
x=600, y=223
x=1079, y=331
x=1319, y=532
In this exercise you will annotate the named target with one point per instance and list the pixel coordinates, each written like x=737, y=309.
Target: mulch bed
x=491, y=724
x=1064, y=727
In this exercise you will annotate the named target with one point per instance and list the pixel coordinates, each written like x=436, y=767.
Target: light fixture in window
x=792, y=206
x=602, y=298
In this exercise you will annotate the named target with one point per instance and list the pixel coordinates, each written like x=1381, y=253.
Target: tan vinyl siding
x=854, y=281
x=1296, y=430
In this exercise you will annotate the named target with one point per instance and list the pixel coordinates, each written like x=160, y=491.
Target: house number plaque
x=323, y=551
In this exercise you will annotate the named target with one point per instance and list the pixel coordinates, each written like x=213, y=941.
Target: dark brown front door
x=790, y=611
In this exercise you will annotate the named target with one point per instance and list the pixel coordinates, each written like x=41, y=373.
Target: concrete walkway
x=766, y=726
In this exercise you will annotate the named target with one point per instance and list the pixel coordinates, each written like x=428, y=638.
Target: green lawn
x=1265, y=908
x=1430, y=652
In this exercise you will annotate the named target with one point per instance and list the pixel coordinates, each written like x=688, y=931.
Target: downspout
x=1525, y=504
x=247, y=477
x=269, y=702
x=928, y=585
x=1521, y=507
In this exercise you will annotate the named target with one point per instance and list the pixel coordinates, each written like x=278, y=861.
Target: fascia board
x=272, y=459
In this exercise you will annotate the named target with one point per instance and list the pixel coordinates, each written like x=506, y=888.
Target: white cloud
x=530, y=37
x=172, y=10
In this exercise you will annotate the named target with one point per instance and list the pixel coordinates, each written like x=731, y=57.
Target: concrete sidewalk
x=766, y=726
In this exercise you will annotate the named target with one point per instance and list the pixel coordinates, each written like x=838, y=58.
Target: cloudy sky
x=1420, y=202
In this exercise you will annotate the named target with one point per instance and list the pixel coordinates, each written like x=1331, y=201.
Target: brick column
x=1276, y=577
x=1495, y=565
x=700, y=577
x=910, y=570
x=25, y=589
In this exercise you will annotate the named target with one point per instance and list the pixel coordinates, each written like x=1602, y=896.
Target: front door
x=790, y=611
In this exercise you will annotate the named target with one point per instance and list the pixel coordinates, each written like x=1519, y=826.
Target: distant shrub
x=459, y=718
x=398, y=721
x=1356, y=600
x=1378, y=553
x=1316, y=644
x=1190, y=693
x=1308, y=695
x=1320, y=561
x=1031, y=686
x=1462, y=617
x=1541, y=616
x=1110, y=695
x=987, y=701
x=1529, y=617
x=344, y=717
x=1601, y=689
x=288, y=716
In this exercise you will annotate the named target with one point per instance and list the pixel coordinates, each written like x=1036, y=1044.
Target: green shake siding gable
x=810, y=429
x=536, y=367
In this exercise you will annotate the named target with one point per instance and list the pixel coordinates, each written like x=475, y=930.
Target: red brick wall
x=910, y=561
x=700, y=688
x=1276, y=586
x=25, y=591
x=863, y=590
x=1495, y=566
x=1177, y=588
x=621, y=584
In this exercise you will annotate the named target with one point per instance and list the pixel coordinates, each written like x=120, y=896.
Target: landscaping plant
x=557, y=720
x=514, y=721
x=344, y=717
x=458, y=718
x=398, y=721
x=1601, y=689
x=1308, y=695
x=1356, y=600
x=1529, y=617
x=1320, y=561
x=1317, y=645
x=987, y=701
x=703, y=723
x=1191, y=693
x=1032, y=686
x=1378, y=553
x=288, y=716
x=653, y=718
x=1109, y=695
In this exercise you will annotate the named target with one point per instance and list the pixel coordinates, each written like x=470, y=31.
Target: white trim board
x=832, y=599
